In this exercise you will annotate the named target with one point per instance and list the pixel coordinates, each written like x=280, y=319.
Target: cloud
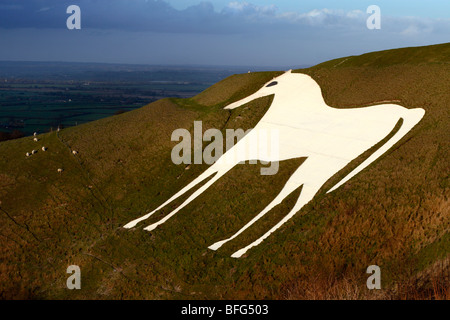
x=249, y=10
x=326, y=17
x=125, y=15
x=238, y=17
x=44, y=9
x=152, y=31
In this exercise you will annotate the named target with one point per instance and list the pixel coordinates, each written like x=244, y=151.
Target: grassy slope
x=394, y=214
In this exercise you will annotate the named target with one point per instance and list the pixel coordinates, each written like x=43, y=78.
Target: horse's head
x=286, y=85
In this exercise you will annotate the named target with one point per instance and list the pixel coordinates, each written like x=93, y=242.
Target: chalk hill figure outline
x=306, y=126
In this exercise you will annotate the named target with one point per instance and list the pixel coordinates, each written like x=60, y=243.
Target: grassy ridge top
x=394, y=214
x=439, y=54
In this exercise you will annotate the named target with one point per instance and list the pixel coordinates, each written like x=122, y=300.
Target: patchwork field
x=42, y=96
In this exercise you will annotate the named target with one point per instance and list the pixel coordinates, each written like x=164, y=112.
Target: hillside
x=394, y=214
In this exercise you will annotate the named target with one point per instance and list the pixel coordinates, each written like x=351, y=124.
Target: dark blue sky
x=259, y=32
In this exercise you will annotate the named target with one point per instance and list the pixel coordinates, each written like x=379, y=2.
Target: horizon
x=259, y=33
x=151, y=65
x=299, y=66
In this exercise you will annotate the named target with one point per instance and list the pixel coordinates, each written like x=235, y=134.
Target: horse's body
x=306, y=127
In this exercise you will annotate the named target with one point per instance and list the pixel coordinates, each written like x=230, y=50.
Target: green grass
x=436, y=54
x=45, y=106
x=394, y=214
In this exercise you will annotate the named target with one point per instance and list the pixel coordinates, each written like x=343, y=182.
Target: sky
x=219, y=32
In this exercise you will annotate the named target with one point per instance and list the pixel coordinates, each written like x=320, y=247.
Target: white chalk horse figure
x=329, y=138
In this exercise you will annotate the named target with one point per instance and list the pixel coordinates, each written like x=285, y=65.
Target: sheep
x=34, y=152
x=28, y=154
x=74, y=152
x=35, y=134
x=60, y=170
x=36, y=139
x=44, y=149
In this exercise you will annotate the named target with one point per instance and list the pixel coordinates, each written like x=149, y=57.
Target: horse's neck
x=287, y=102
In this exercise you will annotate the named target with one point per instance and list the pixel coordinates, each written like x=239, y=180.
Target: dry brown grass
x=432, y=284
x=394, y=214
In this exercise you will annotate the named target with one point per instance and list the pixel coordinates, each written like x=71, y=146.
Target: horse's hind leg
x=410, y=117
x=286, y=191
x=304, y=175
x=306, y=195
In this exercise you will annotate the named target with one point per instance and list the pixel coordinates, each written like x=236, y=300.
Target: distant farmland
x=44, y=96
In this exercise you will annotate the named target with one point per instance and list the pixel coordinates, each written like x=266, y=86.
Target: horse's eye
x=274, y=83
